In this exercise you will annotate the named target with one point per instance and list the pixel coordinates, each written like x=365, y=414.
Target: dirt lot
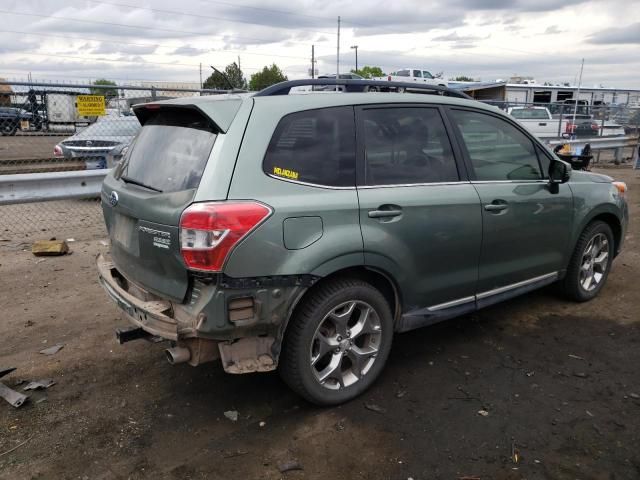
x=559, y=381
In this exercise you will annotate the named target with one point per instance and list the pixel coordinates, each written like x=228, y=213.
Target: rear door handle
x=384, y=213
x=495, y=207
x=542, y=124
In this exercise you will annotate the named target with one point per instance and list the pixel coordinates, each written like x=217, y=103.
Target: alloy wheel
x=345, y=344
x=595, y=260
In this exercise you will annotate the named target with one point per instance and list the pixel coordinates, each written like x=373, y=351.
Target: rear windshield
x=403, y=73
x=126, y=127
x=171, y=151
x=530, y=113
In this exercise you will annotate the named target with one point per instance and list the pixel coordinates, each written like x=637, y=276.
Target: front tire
x=338, y=342
x=9, y=129
x=590, y=263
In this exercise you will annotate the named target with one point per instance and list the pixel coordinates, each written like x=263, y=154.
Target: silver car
x=98, y=141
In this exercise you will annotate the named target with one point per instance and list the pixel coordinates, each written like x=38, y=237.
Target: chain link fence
x=54, y=127
x=51, y=127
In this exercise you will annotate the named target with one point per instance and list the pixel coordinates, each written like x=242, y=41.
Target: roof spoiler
x=361, y=86
x=220, y=113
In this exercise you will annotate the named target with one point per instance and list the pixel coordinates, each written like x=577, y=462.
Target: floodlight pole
x=338, y=55
x=575, y=107
x=355, y=47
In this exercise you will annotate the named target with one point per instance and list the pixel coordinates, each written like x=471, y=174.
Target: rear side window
x=407, y=145
x=417, y=73
x=171, y=151
x=497, y=149
x=314, y=146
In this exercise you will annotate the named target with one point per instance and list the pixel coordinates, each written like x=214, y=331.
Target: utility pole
x=575, y=108
x=313, y=61
x=239, y=63
x=200, y=76
x=338, y=52
x=355, y=47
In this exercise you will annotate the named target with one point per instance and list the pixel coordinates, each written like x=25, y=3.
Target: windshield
x=171, y=151
x=111, y=128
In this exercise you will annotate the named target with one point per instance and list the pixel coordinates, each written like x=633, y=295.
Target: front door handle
x=495, y=207
x=384, y=213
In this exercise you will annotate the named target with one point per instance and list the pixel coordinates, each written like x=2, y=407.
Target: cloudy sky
x=161, y=40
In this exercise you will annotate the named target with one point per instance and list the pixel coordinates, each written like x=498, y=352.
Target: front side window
x=426, y=74
x=406, y=145
x=314, y=146
x=497, y=149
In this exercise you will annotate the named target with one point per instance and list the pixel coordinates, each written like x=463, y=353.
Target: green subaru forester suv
x=300, y=232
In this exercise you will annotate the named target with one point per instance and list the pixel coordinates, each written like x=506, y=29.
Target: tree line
x=234, y=78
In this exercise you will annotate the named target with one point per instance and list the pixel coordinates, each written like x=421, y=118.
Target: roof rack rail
x=284, y=88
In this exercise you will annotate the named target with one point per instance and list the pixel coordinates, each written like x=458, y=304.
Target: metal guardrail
x=600, y=143
x=38, y=187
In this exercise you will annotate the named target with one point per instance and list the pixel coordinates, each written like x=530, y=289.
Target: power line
x=272, y=10
x=118, y=60
x=243, y=52
x=96, y=22
x=176, y=12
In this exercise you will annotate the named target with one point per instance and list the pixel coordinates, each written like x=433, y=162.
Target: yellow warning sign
x=90, y=105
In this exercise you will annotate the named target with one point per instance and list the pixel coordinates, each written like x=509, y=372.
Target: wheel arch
x=379, y=279
x=607, y=216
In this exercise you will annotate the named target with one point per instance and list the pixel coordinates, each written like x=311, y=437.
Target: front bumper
x=153, y=316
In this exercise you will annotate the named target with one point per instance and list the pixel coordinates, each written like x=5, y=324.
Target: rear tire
x=337, y=342
x=590, y=263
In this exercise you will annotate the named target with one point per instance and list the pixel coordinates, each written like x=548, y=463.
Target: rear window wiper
x=140, y=184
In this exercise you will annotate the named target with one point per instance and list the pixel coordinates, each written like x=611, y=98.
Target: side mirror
x=559, y=172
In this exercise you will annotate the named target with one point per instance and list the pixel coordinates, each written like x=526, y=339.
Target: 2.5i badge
x=161, y=238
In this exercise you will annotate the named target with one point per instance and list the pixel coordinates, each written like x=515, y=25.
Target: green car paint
x=444, y=254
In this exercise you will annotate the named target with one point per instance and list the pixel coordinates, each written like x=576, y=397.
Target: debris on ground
x=16, y=447
x=49, y=248
x=6, y=371
x=576, y=357
x=262, y=424
x=483, y=413
x=38, y=384
x=375, y=408
x=290, y=466
x=635, y=396
x=401, y=393
x=234, y=453
x=52, y=350
x=231, y=415
x=580, y=375
x=15, y=399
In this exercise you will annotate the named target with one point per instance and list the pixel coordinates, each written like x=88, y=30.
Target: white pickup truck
x=539, y=121
x=414, y=75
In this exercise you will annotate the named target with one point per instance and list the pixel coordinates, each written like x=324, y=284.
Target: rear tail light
x=570, y=128
x=57, y=151
x=210, y=231
x=389, y=78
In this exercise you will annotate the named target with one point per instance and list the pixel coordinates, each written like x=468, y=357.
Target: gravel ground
x=558, y=381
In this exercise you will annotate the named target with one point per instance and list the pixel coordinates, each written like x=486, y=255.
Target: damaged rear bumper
x=241, y=321
x=153, y=316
